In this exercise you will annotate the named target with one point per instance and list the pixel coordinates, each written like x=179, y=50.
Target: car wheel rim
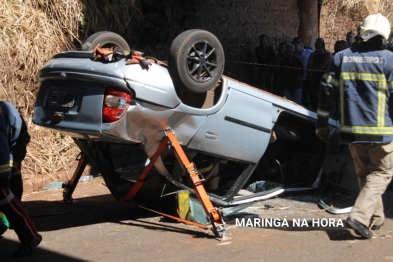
x=201, y=62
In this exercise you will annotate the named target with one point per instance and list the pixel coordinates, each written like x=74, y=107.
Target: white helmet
x=373, y=25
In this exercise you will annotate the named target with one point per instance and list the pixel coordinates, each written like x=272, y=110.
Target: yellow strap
x=196, y=178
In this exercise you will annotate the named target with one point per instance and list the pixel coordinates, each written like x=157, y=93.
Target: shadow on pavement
x=8, y=247
x=51, y=216
x=166, y=228
x=342, y=235
x=56, y=215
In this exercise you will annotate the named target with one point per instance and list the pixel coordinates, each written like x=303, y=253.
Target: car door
x=239, y=131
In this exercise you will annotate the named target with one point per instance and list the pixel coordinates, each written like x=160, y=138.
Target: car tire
x=196, y=61
x=105, y=39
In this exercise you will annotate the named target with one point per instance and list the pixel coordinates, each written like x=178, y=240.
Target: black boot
x=28, y=250
x=359, y=228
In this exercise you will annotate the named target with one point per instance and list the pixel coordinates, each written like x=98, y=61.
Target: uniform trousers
x=374, y=169
x=16, y=214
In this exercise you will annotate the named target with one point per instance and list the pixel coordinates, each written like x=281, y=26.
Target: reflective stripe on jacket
x=362, y=80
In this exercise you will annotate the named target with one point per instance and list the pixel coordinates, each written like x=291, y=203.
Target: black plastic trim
x=247, y=124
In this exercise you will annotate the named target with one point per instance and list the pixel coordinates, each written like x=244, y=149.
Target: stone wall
x=236, y=23
x=339, y=17
x=336, y=21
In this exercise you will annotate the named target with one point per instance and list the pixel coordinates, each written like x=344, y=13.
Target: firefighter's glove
x=323, y=133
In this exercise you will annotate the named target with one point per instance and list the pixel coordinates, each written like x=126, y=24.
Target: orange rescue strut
x=218, y=225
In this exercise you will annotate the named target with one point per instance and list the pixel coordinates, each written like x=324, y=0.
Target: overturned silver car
x=246, y=144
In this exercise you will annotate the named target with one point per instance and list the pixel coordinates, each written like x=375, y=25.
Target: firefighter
x=362, y=79
x=10, y=205
x=18, y=138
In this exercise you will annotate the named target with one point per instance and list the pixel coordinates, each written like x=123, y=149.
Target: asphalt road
x=97, y=228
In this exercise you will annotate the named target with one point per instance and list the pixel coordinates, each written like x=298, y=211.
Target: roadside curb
x=39, y=182
x=36, y=183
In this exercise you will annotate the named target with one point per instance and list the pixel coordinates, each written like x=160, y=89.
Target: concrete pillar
x=308, y=17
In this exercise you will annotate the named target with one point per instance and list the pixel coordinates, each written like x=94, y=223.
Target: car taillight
x=115, y=105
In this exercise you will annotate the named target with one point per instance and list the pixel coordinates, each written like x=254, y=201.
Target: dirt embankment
x=32, y=31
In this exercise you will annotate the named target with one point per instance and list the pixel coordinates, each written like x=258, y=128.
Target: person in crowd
x=318, y=62
x=277, y=83
x=10, y=204
x=281, y=52
x=290, y=72
x=362, y=79
x=303, y=54
x=339, y=46
x=350, y=37
x=266, y=56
